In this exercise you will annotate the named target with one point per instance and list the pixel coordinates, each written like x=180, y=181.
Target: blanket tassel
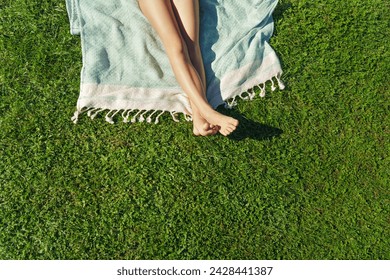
x=77, y=114
x=280, y=83
x=140, y=116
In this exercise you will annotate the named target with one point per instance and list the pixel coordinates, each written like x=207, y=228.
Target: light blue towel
x=125, y=68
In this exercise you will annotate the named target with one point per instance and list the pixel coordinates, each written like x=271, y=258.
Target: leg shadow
x=250, y=129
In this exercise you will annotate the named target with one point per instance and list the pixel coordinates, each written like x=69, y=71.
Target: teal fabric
x=122, y=51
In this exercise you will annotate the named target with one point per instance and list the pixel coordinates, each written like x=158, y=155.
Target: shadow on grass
x=250, y=129
x=277, y=15
x=282, y=7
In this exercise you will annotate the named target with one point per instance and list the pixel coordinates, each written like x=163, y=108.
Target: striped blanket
x=126, y=71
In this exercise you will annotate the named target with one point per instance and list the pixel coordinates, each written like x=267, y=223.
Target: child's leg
x=162, y=18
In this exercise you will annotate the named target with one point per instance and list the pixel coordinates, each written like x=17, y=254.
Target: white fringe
x=140, y=115
x=251, y=93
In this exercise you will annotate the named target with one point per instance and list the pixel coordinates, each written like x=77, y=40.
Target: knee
x=177, y=48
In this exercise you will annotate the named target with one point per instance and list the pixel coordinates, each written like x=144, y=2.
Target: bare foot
x=206, y=130
x=225, y=124
x=201, y=126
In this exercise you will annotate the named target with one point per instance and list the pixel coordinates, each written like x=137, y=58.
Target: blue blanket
x=125, y=69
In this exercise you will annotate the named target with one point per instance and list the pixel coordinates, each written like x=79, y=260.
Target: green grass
x=305, y=177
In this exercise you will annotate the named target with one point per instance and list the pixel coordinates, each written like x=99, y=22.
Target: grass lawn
x=305, y=177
